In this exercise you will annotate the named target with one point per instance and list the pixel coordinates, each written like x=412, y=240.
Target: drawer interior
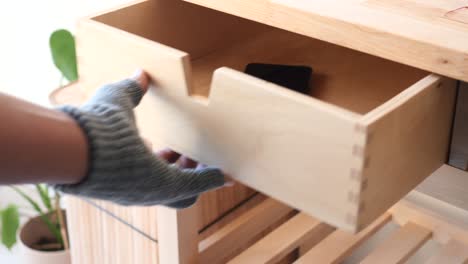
x=349, y=79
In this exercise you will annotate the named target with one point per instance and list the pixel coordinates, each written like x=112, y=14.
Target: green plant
x=62, y=48
x=10, y=223
x=10, y=216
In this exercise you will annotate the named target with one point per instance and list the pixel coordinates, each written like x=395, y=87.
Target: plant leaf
x=54, y=229
x=44, y=194
x=29, y=199
x=10, y=224
x=62, y=47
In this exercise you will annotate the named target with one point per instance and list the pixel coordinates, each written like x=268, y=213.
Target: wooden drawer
x=369, y=132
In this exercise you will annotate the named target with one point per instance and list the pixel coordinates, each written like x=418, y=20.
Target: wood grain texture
x=341, y=76
x=399, y=30
x=203, y=114
x=92, y=244
x=283, y=240
x=408, y=139
x=340, y=244
x=171, y=64
x=212, y=205
x=218, y=246
x=231, y=215
x=400, y=245
x=97, y=238
x=178, y=235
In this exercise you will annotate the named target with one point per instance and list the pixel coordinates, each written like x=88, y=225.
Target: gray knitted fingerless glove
x=121, y=168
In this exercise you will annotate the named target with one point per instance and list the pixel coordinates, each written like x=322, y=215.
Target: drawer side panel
x=408, y=139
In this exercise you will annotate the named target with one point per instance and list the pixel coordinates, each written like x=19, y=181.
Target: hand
x=121, y=167
x=184, y=162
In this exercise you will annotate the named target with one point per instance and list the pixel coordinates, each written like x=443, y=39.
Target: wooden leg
x=178, y=235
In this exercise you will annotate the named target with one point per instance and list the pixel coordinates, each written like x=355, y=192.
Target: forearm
x=39, y=144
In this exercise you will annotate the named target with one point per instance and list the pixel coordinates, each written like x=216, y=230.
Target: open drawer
x=369, y=132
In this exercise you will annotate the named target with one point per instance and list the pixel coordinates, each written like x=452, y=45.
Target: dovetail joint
x=353, y=197
x=358, y=151
x=360, y=128
x=361, y=162
x=351, y=218
x=356, y=174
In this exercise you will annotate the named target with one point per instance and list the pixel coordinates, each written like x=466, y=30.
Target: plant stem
x=44, y=194
x=52, y=228
x=60, y=217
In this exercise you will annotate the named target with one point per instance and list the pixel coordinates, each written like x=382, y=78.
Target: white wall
x=26, y=68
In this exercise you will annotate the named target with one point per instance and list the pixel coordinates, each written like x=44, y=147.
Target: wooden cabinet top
x=427, y=34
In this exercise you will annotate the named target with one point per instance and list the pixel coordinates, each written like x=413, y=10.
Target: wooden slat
x=400, y=245
x=225, y=219
x=445, y=220
x=98, y=238
x=340, y=244
x=453, y=252
x=178, y=235
x=226, y=240
x=279, y=243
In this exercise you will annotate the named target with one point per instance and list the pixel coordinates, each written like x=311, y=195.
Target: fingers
x=228, y=181
x=171, y=156
x=126, y=93
x=148, y=144
x=142, y=78
x=168, y=155
x=186, y=163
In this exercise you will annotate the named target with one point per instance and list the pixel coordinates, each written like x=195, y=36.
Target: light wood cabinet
x=368, y=133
